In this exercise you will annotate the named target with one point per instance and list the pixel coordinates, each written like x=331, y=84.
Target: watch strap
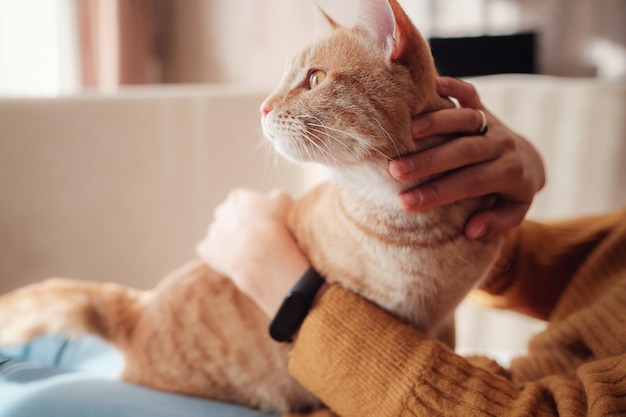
x=295, y=306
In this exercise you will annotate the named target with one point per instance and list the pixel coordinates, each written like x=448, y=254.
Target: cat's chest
x=403, y=267
x=365, y=250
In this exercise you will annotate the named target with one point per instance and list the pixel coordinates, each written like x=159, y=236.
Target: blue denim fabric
x=56, y=377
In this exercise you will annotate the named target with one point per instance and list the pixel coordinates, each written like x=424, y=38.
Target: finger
x=233, y=201
x=248, y=203
x=447, y=121
x=229, y=204
x=200, y=248
x=472, y=181
x=463, y=91
x=281, y=196
x=451, y=155
x=203, y=248
x=489, y=224
x=277, y=193
x=282, y=202
x=222, y=208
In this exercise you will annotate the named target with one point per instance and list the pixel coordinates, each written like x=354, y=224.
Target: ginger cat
x=346, y=101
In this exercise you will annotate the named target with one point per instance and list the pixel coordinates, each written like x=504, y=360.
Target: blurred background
x=124, y=122
x=51, y=47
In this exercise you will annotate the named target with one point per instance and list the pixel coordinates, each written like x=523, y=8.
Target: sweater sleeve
x=362, y=362
x=539, y=259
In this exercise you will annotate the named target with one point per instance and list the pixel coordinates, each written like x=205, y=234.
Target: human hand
x=500, y=162
x=248, y=241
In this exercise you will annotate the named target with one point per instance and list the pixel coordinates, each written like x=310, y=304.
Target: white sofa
x=121, y=187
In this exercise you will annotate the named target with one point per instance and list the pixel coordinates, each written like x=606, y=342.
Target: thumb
x=489, y=224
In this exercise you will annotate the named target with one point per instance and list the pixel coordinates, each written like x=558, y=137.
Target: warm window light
x=38, y=48
x=608, y=58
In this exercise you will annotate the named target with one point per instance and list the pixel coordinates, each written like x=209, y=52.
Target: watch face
x=288, y=318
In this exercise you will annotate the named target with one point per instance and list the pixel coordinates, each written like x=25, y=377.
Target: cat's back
x=197, y=295
x=199, y=335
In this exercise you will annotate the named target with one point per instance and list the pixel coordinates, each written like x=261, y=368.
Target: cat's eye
x=316, y=78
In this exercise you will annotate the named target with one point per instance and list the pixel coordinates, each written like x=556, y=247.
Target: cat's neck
x=372, y=197
x=371, y=189
x=374, y=183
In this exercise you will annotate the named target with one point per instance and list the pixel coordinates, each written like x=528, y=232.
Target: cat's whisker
x=355, y=137
x=299, y=133
x=327, y=153
x=336, y=140
x=416, y=265
x=393, y=142
x=329, y=135
x=311, y=131
x=316, y=134
x=301, y=144
x=352, y=136
x=274, y=157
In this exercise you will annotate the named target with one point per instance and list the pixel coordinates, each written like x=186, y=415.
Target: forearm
x=336, y=316
x=539, y=260
x=362, y=362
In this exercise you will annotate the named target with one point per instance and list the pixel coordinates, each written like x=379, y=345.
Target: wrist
x=284, y=280
x=295, y=306
x=266, y=280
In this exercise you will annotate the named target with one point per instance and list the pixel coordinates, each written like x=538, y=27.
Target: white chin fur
x=286, y=148
x=373, y=183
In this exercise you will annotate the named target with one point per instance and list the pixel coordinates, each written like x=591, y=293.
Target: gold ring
x=482, y=131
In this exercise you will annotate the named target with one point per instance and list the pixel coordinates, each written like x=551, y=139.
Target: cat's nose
x=266, y=107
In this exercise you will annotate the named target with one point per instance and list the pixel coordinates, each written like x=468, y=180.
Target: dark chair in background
x=485, y=55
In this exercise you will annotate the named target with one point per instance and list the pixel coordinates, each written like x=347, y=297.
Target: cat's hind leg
x=62, y=306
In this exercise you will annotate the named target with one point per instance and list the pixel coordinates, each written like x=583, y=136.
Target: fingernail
x=478, y=232
x=400, y=168
x=412, y=199
x=419, y=126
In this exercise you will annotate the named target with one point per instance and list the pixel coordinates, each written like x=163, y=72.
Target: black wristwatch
x=295, y=306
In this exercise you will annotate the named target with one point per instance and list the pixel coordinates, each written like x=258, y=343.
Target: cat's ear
x=377, y=18
x=393, y=30
x=324, y=23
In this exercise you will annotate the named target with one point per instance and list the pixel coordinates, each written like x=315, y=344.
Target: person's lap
x=55, y=377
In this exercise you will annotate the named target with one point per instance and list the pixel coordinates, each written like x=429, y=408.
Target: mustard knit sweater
x=362, y=362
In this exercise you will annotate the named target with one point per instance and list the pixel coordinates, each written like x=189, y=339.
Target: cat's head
x=348, y=98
